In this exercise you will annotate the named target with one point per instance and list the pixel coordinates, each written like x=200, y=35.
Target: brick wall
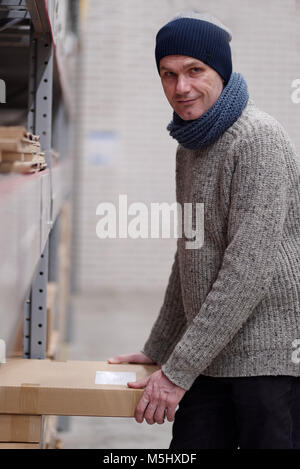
x=119, y=91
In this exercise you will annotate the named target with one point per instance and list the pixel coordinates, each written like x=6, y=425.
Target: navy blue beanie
x=196, y=38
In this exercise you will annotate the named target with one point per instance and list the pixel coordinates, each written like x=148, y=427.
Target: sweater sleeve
x=258, y=207
x=171, y=321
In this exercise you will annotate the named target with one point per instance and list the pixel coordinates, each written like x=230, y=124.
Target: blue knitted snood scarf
x=201, y=132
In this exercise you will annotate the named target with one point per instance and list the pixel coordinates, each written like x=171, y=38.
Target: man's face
x=191, y=86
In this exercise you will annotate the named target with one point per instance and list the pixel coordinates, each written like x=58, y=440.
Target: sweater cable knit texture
x=232, y=307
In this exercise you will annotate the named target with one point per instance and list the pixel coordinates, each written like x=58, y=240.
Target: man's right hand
x=132, y=358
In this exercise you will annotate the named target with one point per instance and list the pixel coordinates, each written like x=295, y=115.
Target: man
x=226, y=334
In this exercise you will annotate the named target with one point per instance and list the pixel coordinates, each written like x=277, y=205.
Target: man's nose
x=183, y=85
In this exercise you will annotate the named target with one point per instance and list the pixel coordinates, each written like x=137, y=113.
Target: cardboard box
x=50, y=387
x=20, y=428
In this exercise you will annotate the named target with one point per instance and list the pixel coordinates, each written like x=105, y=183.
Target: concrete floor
x=104, y=325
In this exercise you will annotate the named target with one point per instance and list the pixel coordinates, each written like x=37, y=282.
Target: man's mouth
x=186, y=100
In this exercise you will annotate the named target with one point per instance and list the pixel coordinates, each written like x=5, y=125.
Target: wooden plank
x=49, y=434
x=11, y=156
x=23, y=145
x=52, y=299
x=22, y=167
x=64, y=269
x=17, y=132
x=52, y=345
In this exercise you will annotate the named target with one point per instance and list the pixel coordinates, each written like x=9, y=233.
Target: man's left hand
x=160, y=396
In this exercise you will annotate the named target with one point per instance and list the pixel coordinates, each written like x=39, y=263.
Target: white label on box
x=114, y=377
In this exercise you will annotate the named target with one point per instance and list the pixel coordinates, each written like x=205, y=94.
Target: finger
x=119, y=359
x=142, y=383
x=170, y=411
x=159, y=416
x=130, y=358
x=152, y=406
x=142, y=405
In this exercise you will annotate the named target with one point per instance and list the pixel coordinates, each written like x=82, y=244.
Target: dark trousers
x=255, y=412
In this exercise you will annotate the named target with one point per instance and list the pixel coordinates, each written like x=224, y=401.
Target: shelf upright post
x=35, y=311
x=40, y=91
x=38, y=326
x=54, y=238
x=43, y=97
x=40, y=123
x=26, y=328
x=31, y=82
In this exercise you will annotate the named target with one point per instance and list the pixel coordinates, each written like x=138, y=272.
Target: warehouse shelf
x=38, y=46
x=45, y=19
x=13, y=9
x=16, y=18
x=25, y=213
x=34, y=66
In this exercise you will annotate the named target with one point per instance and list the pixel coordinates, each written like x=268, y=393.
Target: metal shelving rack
x=30, y=205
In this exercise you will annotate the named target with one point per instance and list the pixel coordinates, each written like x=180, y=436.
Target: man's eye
x=169, y=74
x=196, y=69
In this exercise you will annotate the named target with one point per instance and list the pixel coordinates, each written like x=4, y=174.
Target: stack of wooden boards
x=20, y=151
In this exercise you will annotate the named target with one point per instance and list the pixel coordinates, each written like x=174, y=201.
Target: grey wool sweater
x=232, y=307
